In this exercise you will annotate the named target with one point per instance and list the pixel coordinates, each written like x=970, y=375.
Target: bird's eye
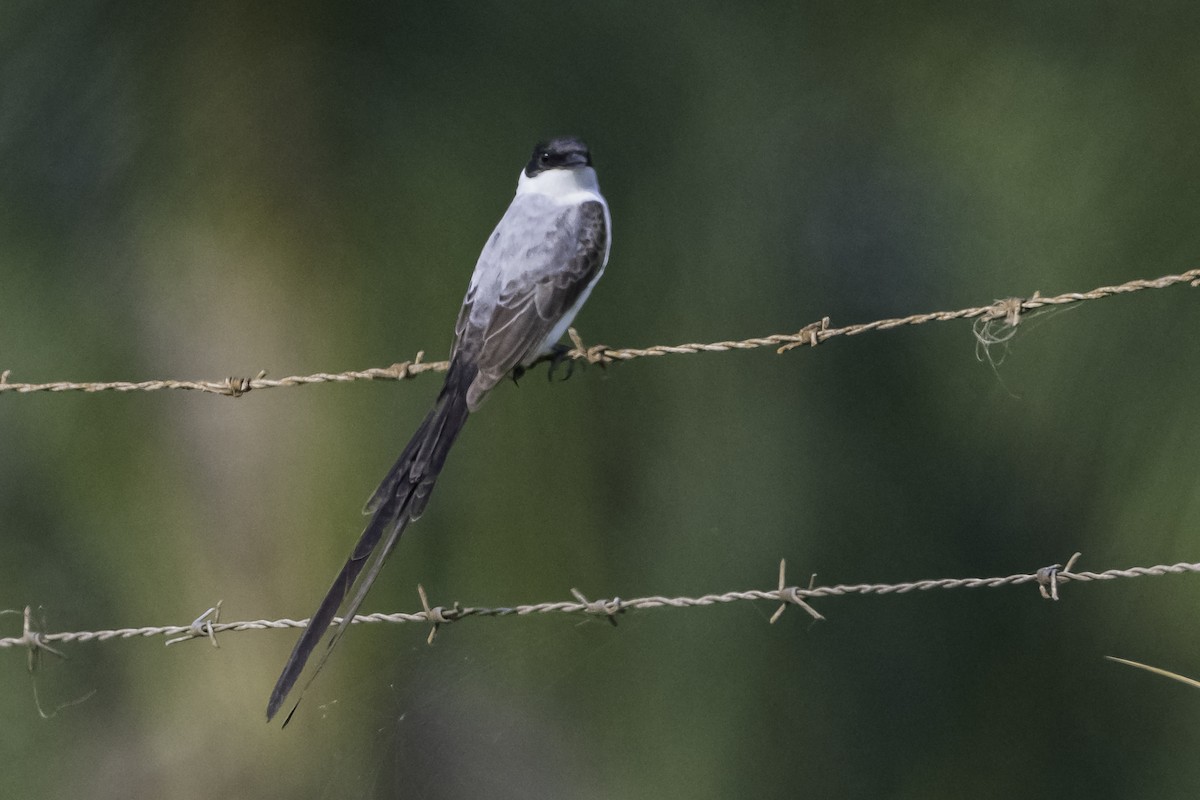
x=544, y=157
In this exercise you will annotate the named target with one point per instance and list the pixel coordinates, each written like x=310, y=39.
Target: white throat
x=564, y=185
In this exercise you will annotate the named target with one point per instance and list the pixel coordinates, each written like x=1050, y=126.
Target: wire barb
x=201, y=627
x=236, y=387
x=436, y=615
x=1048, y=577
x=791, y=595
x=600, y=608
x=812, y=335
x=34, y=640
x=596, y=354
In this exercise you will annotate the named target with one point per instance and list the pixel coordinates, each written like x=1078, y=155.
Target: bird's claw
x=556, y=357
x=558, y=354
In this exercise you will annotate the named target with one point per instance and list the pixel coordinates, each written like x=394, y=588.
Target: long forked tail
x=400, y=498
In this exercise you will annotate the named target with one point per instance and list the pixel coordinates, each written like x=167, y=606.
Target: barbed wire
x=1005, y=314
x=208, y=625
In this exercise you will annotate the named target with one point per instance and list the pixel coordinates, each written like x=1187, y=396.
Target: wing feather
x=535, y=287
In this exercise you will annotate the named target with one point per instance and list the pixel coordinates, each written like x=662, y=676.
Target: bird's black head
x=560, y=153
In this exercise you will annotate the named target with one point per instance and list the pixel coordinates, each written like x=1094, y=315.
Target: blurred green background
x=202, y=190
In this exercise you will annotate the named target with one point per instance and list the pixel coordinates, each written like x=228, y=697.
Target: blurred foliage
x=200, y=190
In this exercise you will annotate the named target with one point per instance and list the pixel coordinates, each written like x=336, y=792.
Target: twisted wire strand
x=1048, y=579
x=1006, y=313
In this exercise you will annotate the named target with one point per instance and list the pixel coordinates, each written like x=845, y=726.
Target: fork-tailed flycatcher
x=535, y=272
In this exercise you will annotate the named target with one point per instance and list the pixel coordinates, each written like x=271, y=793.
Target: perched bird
x=535, y=272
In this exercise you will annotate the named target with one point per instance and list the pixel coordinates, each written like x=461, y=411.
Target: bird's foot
x=556, y=357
